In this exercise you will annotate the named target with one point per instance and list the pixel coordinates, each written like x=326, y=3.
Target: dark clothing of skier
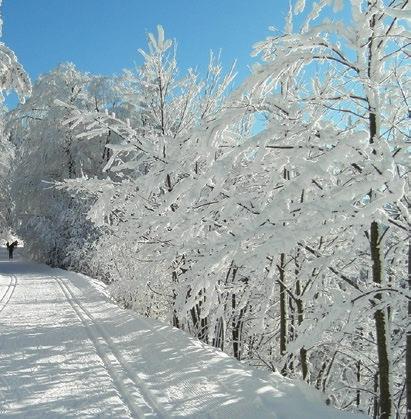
x=10, y=248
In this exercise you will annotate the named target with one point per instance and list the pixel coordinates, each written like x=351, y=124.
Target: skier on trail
x=11, y=247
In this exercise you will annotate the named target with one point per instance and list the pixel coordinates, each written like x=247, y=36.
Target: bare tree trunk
x=303, y=351
x=200, y=324
x=291, y=332
x=320, y=375
x=219, y=335
x=235, y=331
x=283, y=318
x=380, y=317
x=380, y=327
x=300, y=314
x=237, y=322
x=176, y=321
x=174, y=279
x=376, y=404
x=283, y=299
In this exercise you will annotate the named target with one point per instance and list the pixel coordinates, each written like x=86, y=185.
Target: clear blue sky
x=102, y=36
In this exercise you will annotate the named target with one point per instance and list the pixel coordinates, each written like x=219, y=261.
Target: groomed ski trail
x=124, y=377
x=66, y=351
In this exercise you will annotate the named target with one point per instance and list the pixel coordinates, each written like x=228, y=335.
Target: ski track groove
x=96, y=331
x=8, y=287
x=9, y=292
x=137, y=381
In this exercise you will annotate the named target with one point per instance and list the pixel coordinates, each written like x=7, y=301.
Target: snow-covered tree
x=364, y=90
x=47, y=151
x=148, y=139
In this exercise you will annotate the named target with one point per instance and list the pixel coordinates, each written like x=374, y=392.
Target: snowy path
x=66, y=351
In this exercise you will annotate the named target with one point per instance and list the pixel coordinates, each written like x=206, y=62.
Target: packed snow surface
x=66, y=351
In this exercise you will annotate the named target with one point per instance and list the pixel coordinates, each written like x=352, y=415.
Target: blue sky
x=102, y=36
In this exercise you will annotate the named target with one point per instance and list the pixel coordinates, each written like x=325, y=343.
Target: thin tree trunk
x=320, y=375
x=381, y=327
x=176, y=322
x=237, y=327
x=303, y=351
x=235, y=334
x=376, y=404
x=237, y=322
x=283, y=319
x=300, y=317
x=380, y=317
x=291, y=331
x=219, y=336
x=283, y=299
x=358, y=395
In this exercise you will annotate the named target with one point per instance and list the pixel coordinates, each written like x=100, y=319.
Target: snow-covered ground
x=66, y=351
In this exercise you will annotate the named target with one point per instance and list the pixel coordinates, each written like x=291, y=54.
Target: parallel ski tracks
x=134, y=393
x=6, y=297
x=131, y=388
